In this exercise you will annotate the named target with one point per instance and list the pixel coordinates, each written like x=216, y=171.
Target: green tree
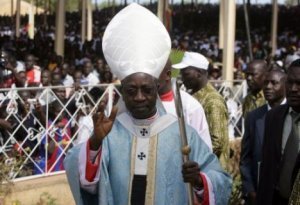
x=292, y=2
x=71, y=5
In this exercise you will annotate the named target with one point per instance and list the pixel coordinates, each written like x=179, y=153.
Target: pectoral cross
x=141, y=156
x=144, y=132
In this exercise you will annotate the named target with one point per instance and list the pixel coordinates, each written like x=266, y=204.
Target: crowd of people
x=42, y=117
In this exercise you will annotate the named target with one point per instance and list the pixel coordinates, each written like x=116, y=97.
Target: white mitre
x=136, y=41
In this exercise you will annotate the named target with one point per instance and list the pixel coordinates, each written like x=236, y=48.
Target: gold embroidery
x=132, y=166
x=217, y=118
x=151, y=171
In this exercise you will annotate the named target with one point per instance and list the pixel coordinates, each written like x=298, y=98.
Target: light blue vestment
x=115, y=175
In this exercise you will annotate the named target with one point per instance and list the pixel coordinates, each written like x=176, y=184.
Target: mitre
x=134, y=41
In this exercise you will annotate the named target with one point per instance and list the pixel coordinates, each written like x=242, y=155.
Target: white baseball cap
x=192, y=59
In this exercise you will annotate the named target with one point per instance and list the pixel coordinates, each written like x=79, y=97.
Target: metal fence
x=38, y=125
x=233, y=92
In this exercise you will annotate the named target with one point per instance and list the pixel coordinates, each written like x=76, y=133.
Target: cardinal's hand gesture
x=102, y=125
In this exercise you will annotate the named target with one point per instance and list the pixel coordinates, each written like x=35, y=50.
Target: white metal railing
x=37, y=131
x=37, y=144
x=233, y=92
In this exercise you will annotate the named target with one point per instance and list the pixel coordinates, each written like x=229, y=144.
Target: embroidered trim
x=209, y=196
x=92, y=165
x=157, y=126
x=151, y=171
x=141, y=159
x=132, y=167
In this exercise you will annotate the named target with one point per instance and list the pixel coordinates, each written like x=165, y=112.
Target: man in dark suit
x=274, y=92
x=281, y=145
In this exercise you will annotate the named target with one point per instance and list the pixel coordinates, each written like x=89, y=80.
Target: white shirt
x=19, y=67
x=86, y=128
x=92, y=80
x=193, y=114
x=68, y=80
x=282, y=103
x=96, y=73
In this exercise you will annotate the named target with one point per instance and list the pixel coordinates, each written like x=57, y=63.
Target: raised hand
x=102, y=125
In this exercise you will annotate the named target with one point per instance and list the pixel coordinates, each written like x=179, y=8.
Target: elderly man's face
x=293, y=88
x=139, y=93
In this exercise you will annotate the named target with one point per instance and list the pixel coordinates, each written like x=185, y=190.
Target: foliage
x=71, y=5
x=45, y=199
x=291, y=2
x=10, y=167
x=17, y=202
x=175, y=57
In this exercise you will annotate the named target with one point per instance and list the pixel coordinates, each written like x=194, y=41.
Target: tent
x=5, y=7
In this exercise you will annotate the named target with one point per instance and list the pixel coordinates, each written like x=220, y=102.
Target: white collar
x=282, y=103
x=144, y=122
x=158, y=125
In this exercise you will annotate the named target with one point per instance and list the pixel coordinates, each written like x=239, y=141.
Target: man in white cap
x=194, y=74
x=134, y=157
x=193, y=111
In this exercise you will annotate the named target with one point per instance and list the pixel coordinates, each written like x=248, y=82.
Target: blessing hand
x=102, y=125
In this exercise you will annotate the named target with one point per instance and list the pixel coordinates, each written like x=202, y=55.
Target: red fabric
x=205, y=197
x=33, y=76
x=91, y=169
x=206, y=190
x=55, y=160
x=7, y=81
x=30, y=76
x=18, y=148
x=167, y=96
x=51, y=161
